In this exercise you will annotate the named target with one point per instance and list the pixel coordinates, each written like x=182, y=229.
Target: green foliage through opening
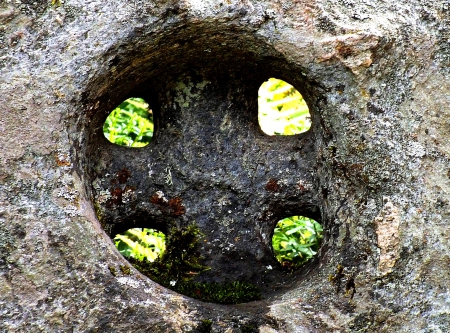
x=296, y=240
x=141, y=244
x=282, y=109
x=130, y=124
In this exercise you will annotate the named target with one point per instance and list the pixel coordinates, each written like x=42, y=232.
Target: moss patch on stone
x=181, y=262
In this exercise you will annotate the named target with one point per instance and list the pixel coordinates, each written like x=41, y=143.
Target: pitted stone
x=374, y=75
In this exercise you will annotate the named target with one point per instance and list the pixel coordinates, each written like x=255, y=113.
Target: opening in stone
x=282, y=109
x=296, y=240
x=130, y=124
x=141, y=244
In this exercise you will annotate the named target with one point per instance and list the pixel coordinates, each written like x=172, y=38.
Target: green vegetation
x=296, y=240
x=223, y=293
x=249, y=328
x=205, y=326
x=173, y=261
x=141, y=243
x=178, y=262
x=282, y=109
x=130, y=124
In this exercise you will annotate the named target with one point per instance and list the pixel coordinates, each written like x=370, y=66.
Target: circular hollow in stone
x=209, y=163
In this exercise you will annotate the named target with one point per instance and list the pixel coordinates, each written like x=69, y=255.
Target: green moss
x=112, y=269
x=249, y=329
x=205, y=326
x=223, y=293
x=181, y=262
x=125, y=270
x=98, y=211
x=106, y=226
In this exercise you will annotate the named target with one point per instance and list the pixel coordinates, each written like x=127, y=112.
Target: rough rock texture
x=374, y=169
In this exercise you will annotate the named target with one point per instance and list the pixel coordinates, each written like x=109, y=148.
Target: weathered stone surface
x=375, y=161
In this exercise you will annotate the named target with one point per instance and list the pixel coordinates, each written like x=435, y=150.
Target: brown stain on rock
x=123, y=175
x=176, y=206
x=62, y=160
x=172, y=207
x=116, y=194
x=353, y=50
x=272, y=185
x=158, y=199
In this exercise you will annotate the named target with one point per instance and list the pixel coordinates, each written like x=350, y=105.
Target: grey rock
x=373, y=169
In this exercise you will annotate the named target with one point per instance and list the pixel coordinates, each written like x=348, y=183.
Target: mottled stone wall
x=373, y=169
